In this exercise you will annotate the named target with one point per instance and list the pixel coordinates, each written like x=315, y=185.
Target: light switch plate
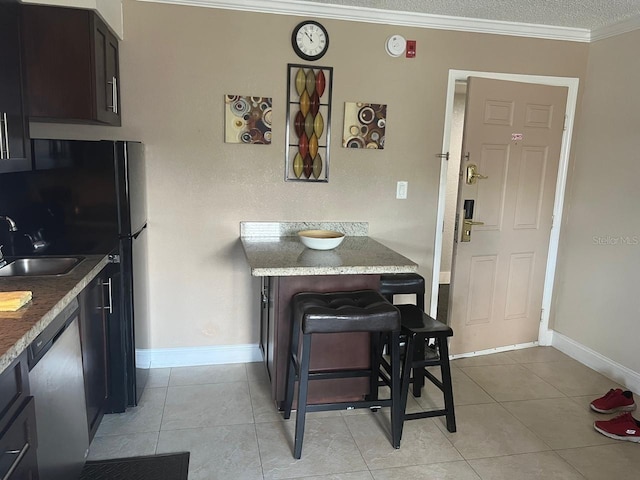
x=401, y=190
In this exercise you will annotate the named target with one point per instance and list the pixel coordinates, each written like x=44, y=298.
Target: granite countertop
x=50, y=295
x=277, y=252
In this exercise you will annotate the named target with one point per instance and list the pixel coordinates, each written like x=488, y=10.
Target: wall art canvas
x=364, y=125
x=308, y=123
x=247, y=119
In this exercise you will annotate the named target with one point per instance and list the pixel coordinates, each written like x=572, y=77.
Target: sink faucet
x=12, y=224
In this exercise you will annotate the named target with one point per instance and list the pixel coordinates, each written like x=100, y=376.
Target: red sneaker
x=622, y=427
x=614, y=401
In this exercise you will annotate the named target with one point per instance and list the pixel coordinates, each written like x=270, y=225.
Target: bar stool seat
x=336, y=312
x=418, y=327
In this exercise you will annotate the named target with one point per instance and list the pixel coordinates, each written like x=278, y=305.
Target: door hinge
x=443, y=155
x=541, y=314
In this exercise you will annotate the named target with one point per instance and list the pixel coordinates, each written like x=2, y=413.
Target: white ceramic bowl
x=321, y=239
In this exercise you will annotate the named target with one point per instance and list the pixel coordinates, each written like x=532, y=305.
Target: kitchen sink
x=24, y=267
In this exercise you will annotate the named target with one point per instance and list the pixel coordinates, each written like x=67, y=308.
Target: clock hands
x=309, y=36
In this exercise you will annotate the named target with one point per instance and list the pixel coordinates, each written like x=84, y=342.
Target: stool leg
x=397, y=406
x=420, y=300
x=292, y=369
x=405, y=377
x=445, y=368
x=375, y=354
x=418, y=372
x=303, y=389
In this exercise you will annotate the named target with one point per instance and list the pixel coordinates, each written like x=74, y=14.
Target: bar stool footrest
x=323, y=407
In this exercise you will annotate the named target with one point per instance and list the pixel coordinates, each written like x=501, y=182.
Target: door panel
x=530, y=187
x=493, y=163
x=482, y=278
x=513, y=133
x=519, y=285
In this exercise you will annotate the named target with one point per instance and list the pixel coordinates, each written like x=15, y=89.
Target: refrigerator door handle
x=108, y=284
x=137, y=234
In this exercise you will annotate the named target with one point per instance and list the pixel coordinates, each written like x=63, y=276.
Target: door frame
x=544, y=334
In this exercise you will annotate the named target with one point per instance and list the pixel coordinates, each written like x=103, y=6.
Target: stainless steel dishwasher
x=57, y=385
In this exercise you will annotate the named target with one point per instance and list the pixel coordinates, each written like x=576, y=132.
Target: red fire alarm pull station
x=411, y=48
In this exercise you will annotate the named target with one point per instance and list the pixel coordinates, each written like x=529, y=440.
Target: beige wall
x=177, y=64
x=596, y=298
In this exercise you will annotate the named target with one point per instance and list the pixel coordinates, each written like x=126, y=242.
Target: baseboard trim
x=193, y=356
x=489, y=351
x=601, y=364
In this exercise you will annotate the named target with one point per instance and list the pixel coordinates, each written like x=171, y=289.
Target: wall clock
x=310, y=40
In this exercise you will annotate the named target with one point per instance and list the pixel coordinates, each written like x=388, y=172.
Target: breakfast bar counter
x=286, y=267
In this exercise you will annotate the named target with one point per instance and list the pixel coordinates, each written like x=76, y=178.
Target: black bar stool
x=359, y=311
x=418, y=327
x=410, y=284
x=403, y=283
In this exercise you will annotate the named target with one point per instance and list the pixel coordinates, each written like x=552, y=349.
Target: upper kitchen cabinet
x=71, y=65
x=14, y=129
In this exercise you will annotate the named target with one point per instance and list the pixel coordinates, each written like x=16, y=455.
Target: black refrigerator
x=89, y=197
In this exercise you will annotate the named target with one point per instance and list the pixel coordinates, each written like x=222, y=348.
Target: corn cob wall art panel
x=247, y=119
x=308, y=134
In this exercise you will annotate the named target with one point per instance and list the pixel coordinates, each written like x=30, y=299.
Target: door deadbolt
x=472, y=174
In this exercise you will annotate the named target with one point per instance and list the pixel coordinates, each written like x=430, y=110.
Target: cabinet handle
x=114, y=95
x=21, y=453
x=3, y=134
x=110, y=307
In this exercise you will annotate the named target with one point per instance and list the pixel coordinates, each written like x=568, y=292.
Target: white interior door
x=513, y=136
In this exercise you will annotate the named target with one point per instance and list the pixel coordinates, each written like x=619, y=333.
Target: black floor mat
x=172, y=466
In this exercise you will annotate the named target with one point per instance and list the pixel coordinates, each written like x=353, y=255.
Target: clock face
x=310, y=40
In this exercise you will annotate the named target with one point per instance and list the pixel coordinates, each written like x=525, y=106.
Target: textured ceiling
x=586, y=14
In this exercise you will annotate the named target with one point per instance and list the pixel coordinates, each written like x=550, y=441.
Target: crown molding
x=619, y=28
x=388, y=17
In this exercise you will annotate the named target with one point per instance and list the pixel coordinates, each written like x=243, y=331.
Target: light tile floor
x=520, y=415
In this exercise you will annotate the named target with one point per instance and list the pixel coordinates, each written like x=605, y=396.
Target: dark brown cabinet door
x=107, y=73
x=18, y=445
x=14, y=131
x=18, y=439
x=71, y=61
x=94, y=315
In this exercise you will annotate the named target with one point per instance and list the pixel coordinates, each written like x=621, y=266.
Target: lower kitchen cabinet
x=18, y=439
x=97, y=307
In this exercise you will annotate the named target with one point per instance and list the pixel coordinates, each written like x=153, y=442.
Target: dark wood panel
x=72, y=66
x=14, y=388
x=18, y=445
x=15, y=145
x=107, y=74
x=57, y=45
x=330, y=351
x=94, y=313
